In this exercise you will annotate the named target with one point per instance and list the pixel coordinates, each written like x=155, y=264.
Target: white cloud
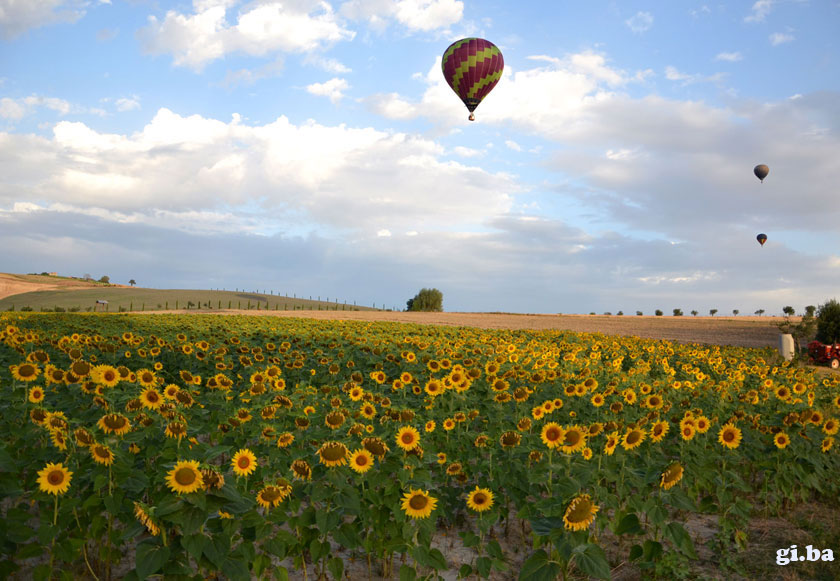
x=204, y=36
x=511, y=144
x=467, y=151
x=383, y=233
x=673, y=74
x=11, y=109
x=16, y=109
x=321, y=176
x=415, y=15
x=330, y=65
x=760, y=10
x=778, y=38
x=128, y=103
x=333, y=89
x=18, y=16
x=640, y=23
x=391, y=106
x=731, y=57
x=251, y=76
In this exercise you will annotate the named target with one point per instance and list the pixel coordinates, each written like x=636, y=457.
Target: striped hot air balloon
x=472, y=67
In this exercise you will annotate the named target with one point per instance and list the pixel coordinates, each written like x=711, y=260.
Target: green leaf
x=657, y=515
x=677, y=498
x=429, y=558
x=194, y=544
x=539, y=568
x=408, y=574
x=629, y=525
x=41, y=572
x=495, y=550
x=677, y=533
x=636, y=552
x=470, y=539
x=281, y=573
x=347, y=536
x=544, y=526
x=336, y=567
x=590, y=558
x=216, y=550
x=235, y=569
x=464, y=572
x=483, y=564
x=652, y=550
x=149, y=558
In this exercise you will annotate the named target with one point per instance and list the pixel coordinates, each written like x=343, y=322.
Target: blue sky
x=313, y=147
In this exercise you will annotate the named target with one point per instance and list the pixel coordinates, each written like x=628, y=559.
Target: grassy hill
x=148, y=299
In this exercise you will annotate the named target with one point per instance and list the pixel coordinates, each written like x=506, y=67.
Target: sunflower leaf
x=677, y=533
x=590, y=558
x=544, y=526
x=538, y=567
x=149, y=558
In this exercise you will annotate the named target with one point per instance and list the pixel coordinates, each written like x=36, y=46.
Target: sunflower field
x=205, y=447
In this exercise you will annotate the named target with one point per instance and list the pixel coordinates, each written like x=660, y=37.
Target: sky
x=314, y=148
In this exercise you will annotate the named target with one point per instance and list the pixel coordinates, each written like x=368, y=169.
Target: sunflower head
x=244, y=462
x=418, y=503
x=185, y=477
x=580, y=513
x=480, y=499
x=333, y=454
x=361, y=461
x=671, y=476
x=54, y=479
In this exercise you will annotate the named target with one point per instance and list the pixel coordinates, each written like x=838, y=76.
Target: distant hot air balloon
x=761, y=171
x=472, y=67
x=762, y=238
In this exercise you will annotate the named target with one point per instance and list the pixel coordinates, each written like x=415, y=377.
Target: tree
x=106, y=279
x=87, y=276
x=678, y=312
x=694, y=312
x=639, y=313
x=712, y=312
x=735, y=312
x=620, y=313
x=658, y=313
x=828, y=322
x=132, y=282
x=759, y=312
x=428, y=299
x=789, y=311
x=810, y=310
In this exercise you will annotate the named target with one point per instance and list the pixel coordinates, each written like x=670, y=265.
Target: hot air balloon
x=762, y=238
x=761, y=171
x=472, y=67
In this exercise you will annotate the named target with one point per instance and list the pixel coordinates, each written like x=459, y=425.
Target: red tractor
x=820, y=353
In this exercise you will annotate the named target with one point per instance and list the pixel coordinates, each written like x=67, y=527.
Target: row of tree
x=790, y=311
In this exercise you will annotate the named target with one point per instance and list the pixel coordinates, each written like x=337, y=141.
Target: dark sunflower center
x=333, y=453
x=407, y=438
x=580, y=511
x=300, y=469
x=271, y=494
x=185, y=476
x=552, y=434
x=374, y=447
x=361, y=460
x=152, y=397
x=479, y=499
x=243, y=462
x=418, y=502
x=55, y=477
x=26, y=370
x=101, y=452
x=729, y=435
x=573, y=437
x=109, y=376
x=115, y=422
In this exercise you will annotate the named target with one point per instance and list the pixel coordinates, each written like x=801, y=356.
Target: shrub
x=60, y=310
x=658, y=313
x=428, y=299
x=678, y=312
x=639, y=313
x=73, y=310
x=828, y=322
x=26, y=309
x=619, y=313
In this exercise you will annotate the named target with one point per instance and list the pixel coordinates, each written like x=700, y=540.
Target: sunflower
x=141, y=511
x=408, y=438
x=244, y=462
x=573, y=440
x=368, y=411
x=102, y=454
x=83, y=438
x=702, y=423
x=831, y=426
x=146, y=378
x=441, y=458
x=552, y=435
x=116, y=424
x=176, y=430
x=361, y=461
x=54, y=479
x=36, y=394
x=597, y=400
x=334, y=420
x=333, y=454
x=454, y=469
x=25, y=371
x=510, y=439
x=480, y=499
x=658, y=431
x=418, y=503
x=448, y=424
x=612, y=442
x=781, y=440
x=580, y=513
x=524, y=424
x=185, y=477
x=301, y=470
x=375, y=446
x=105, y=375
x=671, y=476
x=430, y=426
x=434, y=387
x=827, y=443
x=59, y=440
x=285, y=439
x=212, y=478
x=151, y=398
x=730, y=436
x=271, y=496
x=687, y=430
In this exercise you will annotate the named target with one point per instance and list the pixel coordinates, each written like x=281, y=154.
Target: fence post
x=176, y=305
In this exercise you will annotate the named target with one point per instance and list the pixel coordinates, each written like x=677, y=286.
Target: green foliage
x=678, y=312
x=427, y=300
x=712, y=312
x=789, y=311
x=658, y=312
x=105, y=279
x=828, y=322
